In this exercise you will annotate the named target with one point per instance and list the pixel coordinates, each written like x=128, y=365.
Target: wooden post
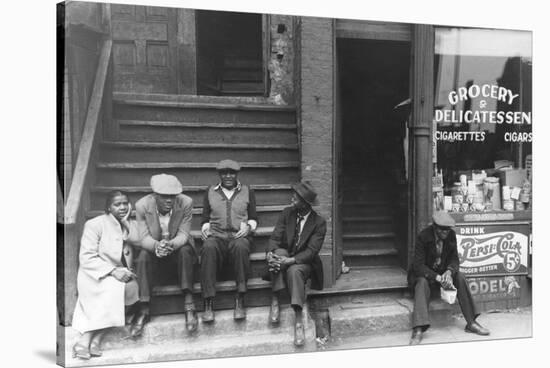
x=421, y=128
x=187, y=52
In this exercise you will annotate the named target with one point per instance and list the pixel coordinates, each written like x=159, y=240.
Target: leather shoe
x=299, y=334
x=240, y=312
x=274, y=313
x=208, y=315
x=81, y=351
x=416, y=336
x=95, y=349
x=476, y=328
x=191, y=321
x=139, y=323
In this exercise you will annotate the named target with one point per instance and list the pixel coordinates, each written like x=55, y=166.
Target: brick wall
x=281, y=61
x=317, y=120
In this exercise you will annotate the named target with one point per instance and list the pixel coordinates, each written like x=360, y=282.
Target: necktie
x=438, y=250
x=296, y=239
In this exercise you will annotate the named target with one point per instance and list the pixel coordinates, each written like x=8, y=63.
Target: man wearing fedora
x=436, y=265
x=164, y=224
x=293, y=255
x=228, y=222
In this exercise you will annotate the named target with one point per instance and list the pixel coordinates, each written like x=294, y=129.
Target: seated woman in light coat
x=105, y=282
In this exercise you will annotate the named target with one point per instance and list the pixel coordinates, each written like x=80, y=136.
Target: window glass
x=482, y=119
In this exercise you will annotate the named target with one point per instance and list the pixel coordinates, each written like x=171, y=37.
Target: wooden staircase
x=186, y=136
x=369, y=232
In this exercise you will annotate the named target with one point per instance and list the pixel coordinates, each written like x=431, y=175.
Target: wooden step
x=267, y=215
x=364, y=224
x=189, y=152
x=370, y=210
x=257, y=268
x=371, y=257
x=363, y=241
x=242, y=75
x=266, y=195
x=175, y=110
x=200, y=132
x=168, y=299
x=194, y=173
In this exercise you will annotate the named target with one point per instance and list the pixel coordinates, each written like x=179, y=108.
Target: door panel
x=144, y=48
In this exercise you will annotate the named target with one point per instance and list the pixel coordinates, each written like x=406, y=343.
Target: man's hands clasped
x=275, y=262
x=164, y=248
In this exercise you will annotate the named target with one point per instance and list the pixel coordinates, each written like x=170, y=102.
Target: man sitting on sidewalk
x=436, y=264
x=293, y=255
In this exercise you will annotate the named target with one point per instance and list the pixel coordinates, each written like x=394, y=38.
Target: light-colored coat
x=101, y=298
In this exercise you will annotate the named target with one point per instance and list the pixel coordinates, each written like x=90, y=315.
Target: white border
x=27, y=146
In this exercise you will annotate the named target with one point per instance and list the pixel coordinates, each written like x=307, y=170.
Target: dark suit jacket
x=425, y=255
x=311, y=240
x=179, y=225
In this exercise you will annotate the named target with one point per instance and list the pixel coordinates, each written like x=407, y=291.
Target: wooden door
x=144, y=49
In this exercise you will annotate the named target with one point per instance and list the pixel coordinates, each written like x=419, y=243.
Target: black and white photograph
x=236, y=183
x=239, y=185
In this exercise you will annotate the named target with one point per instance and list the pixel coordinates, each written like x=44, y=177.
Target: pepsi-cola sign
x=493, y=249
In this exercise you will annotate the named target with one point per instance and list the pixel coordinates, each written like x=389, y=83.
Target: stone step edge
x=359, y=319
x=222, y=347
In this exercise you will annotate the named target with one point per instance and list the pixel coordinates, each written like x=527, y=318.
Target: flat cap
x=165, y=184
x=228, y=165
x=442, y=218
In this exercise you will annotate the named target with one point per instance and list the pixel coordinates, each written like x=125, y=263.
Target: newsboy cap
x=442, y=218
x=305, y=190
x=166, y=184
x=228, y=165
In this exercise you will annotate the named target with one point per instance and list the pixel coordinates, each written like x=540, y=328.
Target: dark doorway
x=374, y=78
x=229, y=53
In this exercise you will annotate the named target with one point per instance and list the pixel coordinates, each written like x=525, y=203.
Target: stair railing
x=83, y=174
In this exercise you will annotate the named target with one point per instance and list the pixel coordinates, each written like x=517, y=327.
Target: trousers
x=148, y=265
x=293, y=279
x=422, y=291
x=215, y=252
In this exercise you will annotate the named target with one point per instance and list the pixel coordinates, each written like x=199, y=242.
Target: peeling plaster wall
x=281, y=59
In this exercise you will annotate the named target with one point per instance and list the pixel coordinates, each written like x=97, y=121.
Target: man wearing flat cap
x=436, y=265
x=293, y=255
x=164, y=224
x=228, y=222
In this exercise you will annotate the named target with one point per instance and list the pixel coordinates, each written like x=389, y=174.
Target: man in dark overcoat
x=436, y=265
x=293, y=255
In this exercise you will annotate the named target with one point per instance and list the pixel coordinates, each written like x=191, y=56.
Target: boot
x=240, y=312
x=208, y=314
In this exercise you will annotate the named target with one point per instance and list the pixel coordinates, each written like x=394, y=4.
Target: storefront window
x=482, y=120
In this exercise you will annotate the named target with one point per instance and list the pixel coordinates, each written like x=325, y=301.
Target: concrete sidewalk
x=515, y=323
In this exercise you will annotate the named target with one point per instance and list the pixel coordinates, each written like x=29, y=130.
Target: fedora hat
x=305, y=190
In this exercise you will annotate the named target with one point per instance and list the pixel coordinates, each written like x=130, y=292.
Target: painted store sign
x=493, y=249
x=494, y=288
